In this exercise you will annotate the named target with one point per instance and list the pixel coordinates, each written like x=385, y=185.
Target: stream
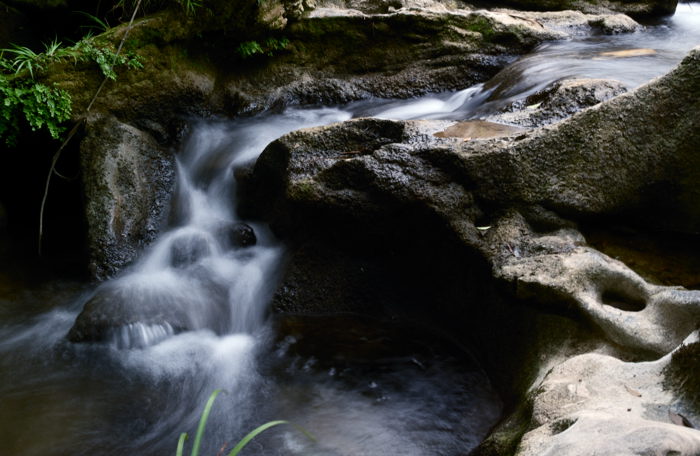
x=361, y=387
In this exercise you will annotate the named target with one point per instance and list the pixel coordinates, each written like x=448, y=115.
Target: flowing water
x=361, y=387
x=658, y=49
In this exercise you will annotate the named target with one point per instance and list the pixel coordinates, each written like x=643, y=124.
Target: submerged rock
x=188, y=249
x=241, y=235
x=170, y=301
x=559, y=101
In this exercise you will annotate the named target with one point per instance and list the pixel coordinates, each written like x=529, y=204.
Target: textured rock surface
x=128, y=178
x=636, y=8
x=559, y=101
x=622, y=404
x=616, y=157
x=509, y=201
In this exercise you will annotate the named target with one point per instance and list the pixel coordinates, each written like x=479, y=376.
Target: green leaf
x=254, y=433
x=181, y=444
x=203, y=422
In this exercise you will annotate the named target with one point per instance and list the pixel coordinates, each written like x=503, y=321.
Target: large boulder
x=128, y=178
x=509, y=201
x=634, y=155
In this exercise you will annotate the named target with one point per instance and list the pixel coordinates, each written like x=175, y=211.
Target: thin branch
x=74, y=130
x=72, y=133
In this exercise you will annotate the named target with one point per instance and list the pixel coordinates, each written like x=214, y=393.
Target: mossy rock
x=681, y=375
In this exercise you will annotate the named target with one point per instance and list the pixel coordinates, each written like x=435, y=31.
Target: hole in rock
x=623, y=301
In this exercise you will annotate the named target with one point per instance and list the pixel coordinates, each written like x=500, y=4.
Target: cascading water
x=135, y=394
x=210, y=271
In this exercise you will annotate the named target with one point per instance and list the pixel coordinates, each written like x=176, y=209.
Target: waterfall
x=210, y=269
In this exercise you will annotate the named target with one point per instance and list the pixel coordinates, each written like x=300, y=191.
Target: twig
x=72, y=133
x=74, y=130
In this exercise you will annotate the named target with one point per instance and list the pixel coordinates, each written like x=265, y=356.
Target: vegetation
x=189, y=6
x=681, y=374
x=24, y=96
x=268, y=47
x=240, y=445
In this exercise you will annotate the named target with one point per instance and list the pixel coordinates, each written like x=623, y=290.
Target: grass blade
x=98, y=23
x=254, y=433
x=181, y=444
x=203, y=422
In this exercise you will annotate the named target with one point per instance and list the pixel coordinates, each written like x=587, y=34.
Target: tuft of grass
x=241, y=444
x=97, y=23
x=24, y=59
x=190, y=7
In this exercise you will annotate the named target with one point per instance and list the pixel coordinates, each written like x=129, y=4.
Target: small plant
x=43, y=106
x=24, y=59
x=97, y=23
x=240, y=445
x=189, y=6
x=106, y=58
x=268, y=47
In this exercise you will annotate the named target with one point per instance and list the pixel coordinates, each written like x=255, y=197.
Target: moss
x=302, y=191
x=482, y=25
x=681, y=374
x=506, y=436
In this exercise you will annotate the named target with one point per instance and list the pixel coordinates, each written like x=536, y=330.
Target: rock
x=478, y=129
x=634, y=8
x=592, y=169
x=188, y=249
x=127, y=179
x=364, y=175
x=558, y=269
x=680, y=377
x=624, y=404
x=509, y=202
x=374, y=6
x=169, y=300
x=241, y=235
x=559, y=101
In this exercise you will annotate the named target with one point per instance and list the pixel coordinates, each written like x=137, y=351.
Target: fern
x=21, y=96
x=269, y=47
x=40, y=105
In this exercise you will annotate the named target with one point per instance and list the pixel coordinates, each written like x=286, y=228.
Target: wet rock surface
x=128, y=178
x=633, y=8
x=241, y=235
x=559, y=101
x=138, y=307
x=514, y=202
